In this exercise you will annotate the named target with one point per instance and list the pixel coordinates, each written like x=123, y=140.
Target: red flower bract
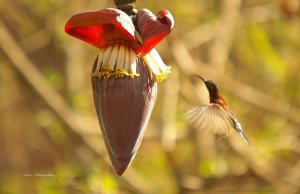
x=102, y=27
x=153, y=29
x=125, y=74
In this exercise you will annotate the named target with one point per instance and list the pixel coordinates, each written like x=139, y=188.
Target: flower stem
x=124, y=2
x=127, y=6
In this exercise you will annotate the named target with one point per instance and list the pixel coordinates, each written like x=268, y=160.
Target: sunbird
x=216, y=117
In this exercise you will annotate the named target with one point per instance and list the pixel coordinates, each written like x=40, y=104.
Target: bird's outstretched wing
x=212, y=118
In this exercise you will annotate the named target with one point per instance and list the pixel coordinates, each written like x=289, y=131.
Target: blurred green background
x=50, y=141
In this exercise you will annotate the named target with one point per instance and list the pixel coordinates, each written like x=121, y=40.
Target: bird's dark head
x=212, y=89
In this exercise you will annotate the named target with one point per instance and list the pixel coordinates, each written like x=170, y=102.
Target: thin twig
x=169, y=109
x=27, y=69
x=219, y=50
x=262, y=168
x=200, y=35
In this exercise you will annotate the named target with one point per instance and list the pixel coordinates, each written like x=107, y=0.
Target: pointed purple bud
x=124, y=106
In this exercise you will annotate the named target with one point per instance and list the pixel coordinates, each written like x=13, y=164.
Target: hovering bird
x=217, y=116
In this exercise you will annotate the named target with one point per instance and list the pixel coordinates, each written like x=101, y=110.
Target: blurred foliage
x=40, y=153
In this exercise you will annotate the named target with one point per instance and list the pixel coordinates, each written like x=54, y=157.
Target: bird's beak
x=204, y=80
